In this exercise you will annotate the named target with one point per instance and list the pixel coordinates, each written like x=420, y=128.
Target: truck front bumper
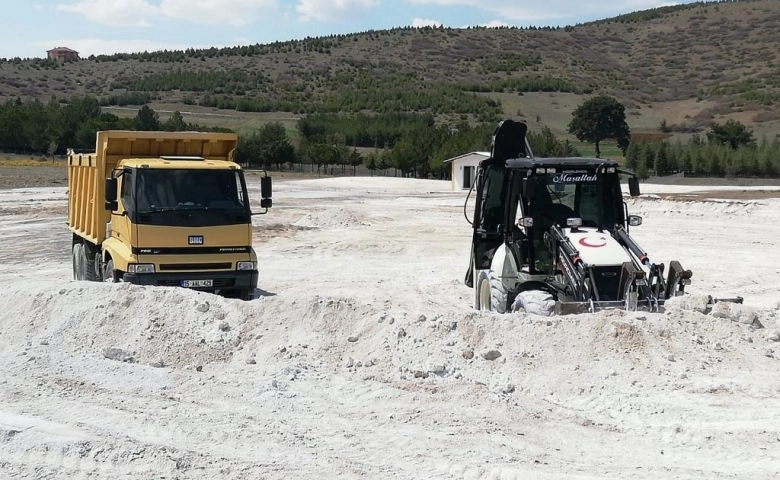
x=245, y=280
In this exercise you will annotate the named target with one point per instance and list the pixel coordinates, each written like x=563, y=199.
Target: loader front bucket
x=574, y=308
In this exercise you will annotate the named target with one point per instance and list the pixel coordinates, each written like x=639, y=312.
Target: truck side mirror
x=265, y=192
x=111, y=191
x=633, y=186
x=529, y=188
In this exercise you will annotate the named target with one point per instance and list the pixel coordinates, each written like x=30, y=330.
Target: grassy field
x=21, y=161
x=608, y=150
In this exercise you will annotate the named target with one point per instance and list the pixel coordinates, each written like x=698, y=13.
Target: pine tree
x=767, y=164
x=662, y=159
x=649, y=157
x=751, y=165
x=632, y=156
x=641, y=171
x=685, y=162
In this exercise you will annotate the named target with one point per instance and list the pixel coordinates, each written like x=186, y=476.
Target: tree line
x=415, y=146
x=38, y=128
x=727, y=150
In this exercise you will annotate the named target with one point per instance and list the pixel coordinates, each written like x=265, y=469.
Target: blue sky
x=29, y=28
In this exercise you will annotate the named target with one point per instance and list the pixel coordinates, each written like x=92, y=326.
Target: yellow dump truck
x=165, y=209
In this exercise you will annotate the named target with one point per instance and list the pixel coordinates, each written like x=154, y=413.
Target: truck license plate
x=197, y=283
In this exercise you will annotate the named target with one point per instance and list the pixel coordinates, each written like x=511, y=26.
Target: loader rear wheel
x=492, y=293
x=535, y=302
x=79, y=261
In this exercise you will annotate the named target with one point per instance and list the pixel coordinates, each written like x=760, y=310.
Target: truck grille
x=218, y=283
x=167, y=267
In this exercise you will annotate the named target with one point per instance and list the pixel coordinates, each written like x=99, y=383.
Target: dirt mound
x=584, y=367
x=655, y=205
x=332, y=218
x=179, y=328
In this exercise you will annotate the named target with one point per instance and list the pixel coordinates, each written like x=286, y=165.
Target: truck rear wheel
x=79, y=261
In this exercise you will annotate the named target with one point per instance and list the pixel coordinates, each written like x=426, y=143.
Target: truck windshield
x=575, y=194
x=196, y=192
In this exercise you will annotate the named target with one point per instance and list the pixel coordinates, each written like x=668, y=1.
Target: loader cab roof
x=184, y=163
x=562, y=163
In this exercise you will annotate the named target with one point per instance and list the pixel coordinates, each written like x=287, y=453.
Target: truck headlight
x=246, y=266
x=140, y=268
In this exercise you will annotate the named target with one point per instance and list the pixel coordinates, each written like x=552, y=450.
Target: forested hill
x=723, y=52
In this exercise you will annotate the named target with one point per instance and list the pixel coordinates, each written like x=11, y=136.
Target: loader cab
x=520, y=198
x=579, y=192
x=572, y=188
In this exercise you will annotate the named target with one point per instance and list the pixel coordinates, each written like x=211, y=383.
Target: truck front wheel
x=108, y=272
x=92, y=259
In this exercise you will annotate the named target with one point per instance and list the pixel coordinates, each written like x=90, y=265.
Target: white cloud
x=142, y=13
x=133, y=13
x=331, y=9
x=217, y=12
x=99, y=46
x=550, y=9
x=425, y=22
x=494, y=24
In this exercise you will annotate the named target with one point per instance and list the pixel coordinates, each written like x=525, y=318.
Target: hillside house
x=62, y=54
x=464, y=169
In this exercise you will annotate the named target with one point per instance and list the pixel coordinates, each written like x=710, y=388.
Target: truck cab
x=164, y=209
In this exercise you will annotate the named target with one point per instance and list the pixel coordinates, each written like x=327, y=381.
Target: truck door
x=124, y=219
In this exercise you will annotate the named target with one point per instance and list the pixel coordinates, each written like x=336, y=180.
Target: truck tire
x=108, y=273
x=246, y=295
x=535, y=302
x=79, y=262
x=492, y=293
x=91, y=263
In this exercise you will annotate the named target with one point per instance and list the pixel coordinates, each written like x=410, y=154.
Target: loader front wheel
x=79, y=261
x=492, y=293
x=535, y=302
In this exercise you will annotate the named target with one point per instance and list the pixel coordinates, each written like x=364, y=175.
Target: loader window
x=576, y=194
